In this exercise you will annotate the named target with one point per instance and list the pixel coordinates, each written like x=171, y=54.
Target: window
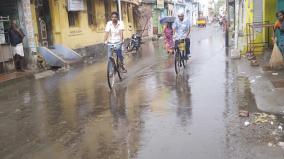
x=73, y=18
x=107, y=6
x=90, y=11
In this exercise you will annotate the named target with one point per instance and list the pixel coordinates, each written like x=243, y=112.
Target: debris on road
x=275, y=74
x=243, y=113
x=246, y=123
x=281, y=144
x=252, y=81
x=264, y=118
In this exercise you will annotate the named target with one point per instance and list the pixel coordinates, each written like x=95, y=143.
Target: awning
x=9, y=8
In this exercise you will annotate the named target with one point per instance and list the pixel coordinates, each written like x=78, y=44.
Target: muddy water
x=150, y=114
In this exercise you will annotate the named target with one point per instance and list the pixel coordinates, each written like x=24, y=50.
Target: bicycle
x=114, y=65
x=180, y=55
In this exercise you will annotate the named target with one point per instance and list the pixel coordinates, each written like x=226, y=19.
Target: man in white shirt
x=114, y=35
x=181, y=31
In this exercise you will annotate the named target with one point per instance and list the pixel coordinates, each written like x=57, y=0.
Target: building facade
x=73, y=23
x=260, y=14
x=19, y=10
x=77, y=26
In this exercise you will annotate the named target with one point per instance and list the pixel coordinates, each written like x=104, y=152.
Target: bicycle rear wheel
x=111, y=72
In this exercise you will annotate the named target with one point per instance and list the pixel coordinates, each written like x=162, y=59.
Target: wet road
x=150, y=115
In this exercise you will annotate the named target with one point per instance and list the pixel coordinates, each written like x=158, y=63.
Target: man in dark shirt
x=16, y=36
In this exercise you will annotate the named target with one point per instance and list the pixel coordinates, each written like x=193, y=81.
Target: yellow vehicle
x=201, y=22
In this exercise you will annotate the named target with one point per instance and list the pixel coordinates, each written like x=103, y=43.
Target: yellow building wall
x=128, y=19
x=83, y=34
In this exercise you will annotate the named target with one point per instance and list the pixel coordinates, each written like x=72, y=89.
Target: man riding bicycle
x=114, y=35
x=181, y=32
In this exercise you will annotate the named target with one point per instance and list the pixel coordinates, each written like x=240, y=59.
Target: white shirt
x=182, y=28
x=114, y=31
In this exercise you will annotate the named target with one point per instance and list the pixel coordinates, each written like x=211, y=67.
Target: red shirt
x=277, y=25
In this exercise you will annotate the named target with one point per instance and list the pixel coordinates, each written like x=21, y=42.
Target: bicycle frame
x=114, y=56
x=181, y=48
x=181, y=45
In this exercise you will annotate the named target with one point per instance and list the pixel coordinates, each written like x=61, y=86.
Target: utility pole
x=227, y=24
x=175, y=11
x=119, y=9
x=237, y=25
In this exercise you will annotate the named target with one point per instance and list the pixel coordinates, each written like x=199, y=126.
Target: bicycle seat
x=181, y=40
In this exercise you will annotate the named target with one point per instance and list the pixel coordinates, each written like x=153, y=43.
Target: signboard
x=136, y=2
x=76, y=5
x=160, y=4
x=2, y=35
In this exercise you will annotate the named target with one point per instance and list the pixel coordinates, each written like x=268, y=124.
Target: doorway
x=44, y=24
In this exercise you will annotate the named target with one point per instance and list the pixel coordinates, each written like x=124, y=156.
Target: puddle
x=245, y=96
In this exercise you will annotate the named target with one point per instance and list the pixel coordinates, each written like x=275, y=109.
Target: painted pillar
x=28, y=23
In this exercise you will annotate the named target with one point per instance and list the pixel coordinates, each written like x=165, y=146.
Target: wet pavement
x=151, y=114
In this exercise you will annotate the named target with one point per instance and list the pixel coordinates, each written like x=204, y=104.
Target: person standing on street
x=114, y=35
x=278, y=34
x=181, y=32
x=16, y=36
x=169, y=42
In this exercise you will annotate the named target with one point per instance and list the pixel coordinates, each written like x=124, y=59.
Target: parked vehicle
x=201, y=22
x=134, y=43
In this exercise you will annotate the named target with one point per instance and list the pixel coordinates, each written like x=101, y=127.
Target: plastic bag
x=276, y=59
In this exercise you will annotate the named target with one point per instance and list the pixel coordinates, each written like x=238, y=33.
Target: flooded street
x=151, y=114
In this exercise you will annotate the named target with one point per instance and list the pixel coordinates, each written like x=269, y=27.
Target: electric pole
x=227, y=24
x=119, y=9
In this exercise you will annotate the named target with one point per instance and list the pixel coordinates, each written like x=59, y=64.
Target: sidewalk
x=10, y=78
x=267, y=85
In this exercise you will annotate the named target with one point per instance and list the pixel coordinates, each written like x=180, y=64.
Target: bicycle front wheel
x=178, y=62
x=111, y=72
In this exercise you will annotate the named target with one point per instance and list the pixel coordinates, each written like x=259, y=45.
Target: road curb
x=15, y=80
